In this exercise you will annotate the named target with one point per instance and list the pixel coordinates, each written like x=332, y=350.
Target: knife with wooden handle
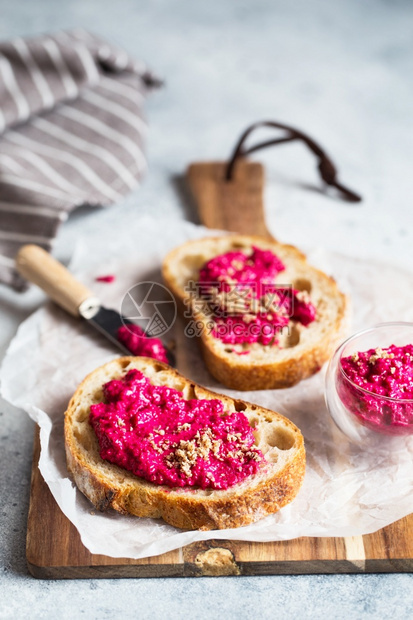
x=40, y=268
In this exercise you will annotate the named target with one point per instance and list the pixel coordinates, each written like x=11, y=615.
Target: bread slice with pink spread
x=270, y=443
x=303, y=342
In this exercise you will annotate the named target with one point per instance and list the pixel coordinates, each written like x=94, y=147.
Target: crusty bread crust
x=304, y=351
x=109, y=486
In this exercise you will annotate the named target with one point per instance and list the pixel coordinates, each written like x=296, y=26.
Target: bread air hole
x=189, y=391
x=194, y=261
x=180, y=386
x=257, y=435
x=302, y=284
x=272, y=457
x=293, y=337
x=280, y=438
x=86, y=440
x=239, y=405
x=238, y=245
x=82, y=415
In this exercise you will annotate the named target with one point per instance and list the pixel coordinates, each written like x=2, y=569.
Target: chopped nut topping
x=216, y=446
x=248, y=318
x=254, y=306
x=304, y=297
x=186, y=453
x=237, y=264
x=380, y=354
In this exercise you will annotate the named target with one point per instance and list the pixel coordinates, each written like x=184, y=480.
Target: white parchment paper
x=346, y=492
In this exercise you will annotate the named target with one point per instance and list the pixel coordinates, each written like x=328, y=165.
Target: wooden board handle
x=37, y=266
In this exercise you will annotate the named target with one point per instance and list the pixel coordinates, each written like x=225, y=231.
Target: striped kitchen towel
x=71, y=134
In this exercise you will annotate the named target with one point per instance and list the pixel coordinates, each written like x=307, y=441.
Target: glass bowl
x=361, y=415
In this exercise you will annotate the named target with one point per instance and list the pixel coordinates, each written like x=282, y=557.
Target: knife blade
x=40, y=268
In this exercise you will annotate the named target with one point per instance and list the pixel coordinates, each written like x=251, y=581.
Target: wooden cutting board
x=54, y=549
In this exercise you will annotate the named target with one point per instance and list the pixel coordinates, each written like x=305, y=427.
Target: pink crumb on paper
x=108, y=279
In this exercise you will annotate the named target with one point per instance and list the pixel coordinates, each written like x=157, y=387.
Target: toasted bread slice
x=109, y=486
x=302, y=351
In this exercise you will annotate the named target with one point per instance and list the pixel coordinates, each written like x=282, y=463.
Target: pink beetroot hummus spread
x=134, y=339
x=247, y=304
x=386, y=379
x=156, y=434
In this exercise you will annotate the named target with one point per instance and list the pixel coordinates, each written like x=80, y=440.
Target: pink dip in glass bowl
x=369, y=383
x=377, y=387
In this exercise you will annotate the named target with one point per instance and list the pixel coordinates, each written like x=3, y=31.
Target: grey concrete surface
x=340, y=70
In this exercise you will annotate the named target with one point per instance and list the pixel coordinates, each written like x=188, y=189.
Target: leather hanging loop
x=327, y=169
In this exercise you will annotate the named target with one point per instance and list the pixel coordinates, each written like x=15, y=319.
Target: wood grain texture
x=235, y=205
x=54, y=550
